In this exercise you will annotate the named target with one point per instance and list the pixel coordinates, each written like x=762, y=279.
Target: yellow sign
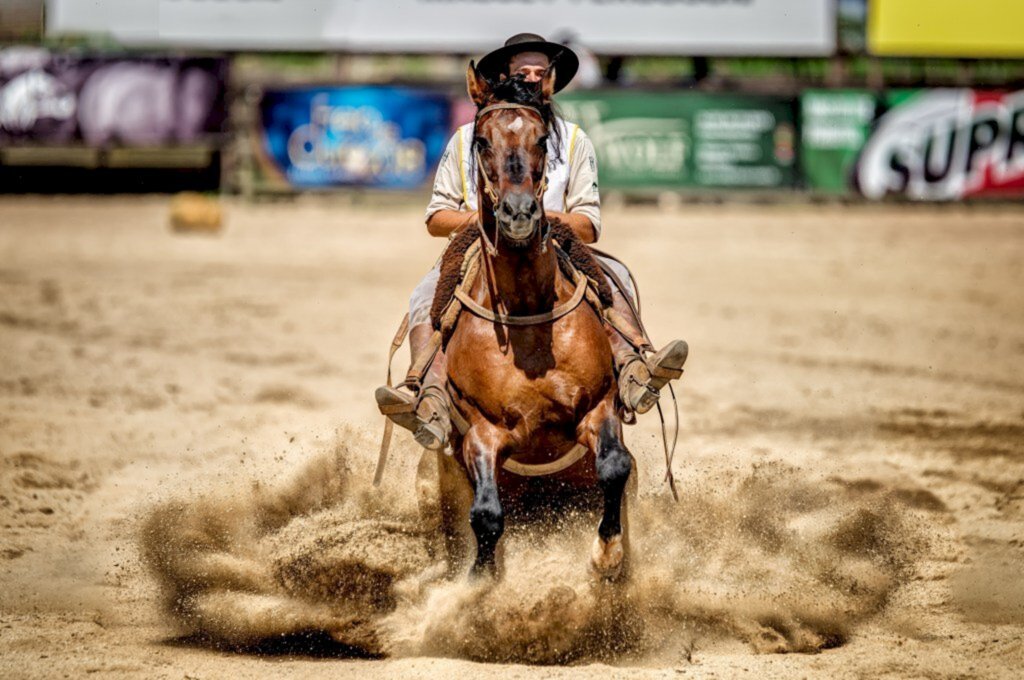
x=946, y=28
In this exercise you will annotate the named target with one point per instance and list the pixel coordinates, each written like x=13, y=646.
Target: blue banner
x=380, y=136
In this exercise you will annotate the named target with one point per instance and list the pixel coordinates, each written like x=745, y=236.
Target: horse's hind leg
x=603, y=435
x=456, y=500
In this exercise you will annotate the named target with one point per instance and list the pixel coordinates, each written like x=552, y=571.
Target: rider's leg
x=424, y=413
x=641, y=379
x=419, y=342
x=432, y=410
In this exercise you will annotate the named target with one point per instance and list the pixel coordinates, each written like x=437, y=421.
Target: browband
x=506, y=105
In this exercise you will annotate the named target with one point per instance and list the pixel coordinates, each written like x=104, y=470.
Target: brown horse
x=530, y=393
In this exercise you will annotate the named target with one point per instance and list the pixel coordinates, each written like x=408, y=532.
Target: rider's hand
x=469, y=220
x=580, y=224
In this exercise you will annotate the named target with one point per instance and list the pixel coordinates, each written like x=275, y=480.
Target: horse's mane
x=451, y=265
x=515, y=90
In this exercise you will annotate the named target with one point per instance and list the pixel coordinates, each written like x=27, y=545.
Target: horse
x=529, y=392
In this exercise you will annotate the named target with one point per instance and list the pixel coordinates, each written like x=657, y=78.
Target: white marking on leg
x=606, y=557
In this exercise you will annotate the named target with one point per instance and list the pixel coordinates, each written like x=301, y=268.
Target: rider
x=571, y=196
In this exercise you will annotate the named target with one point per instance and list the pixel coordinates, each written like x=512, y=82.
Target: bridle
x=490, y=251
x=488, y=186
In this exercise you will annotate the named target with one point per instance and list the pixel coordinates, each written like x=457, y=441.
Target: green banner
x=834, y=125
x=647, y=140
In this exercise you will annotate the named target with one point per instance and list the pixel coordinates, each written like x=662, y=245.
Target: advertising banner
x=945, y=144
x=680, y=140
x=380, y=136
x=834, y=125
x=946, y=28
x=49, y=98
x=704, y=27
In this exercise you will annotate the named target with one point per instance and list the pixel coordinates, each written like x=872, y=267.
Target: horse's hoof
x=607, y=556
x=483, y=571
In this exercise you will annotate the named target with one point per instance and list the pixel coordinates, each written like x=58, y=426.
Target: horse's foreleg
x=486, y=516
x=602, y=434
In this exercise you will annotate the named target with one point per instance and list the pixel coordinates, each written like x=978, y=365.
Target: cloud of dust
x=769, y=557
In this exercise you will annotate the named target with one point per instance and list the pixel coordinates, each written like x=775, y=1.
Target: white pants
x=423, y=295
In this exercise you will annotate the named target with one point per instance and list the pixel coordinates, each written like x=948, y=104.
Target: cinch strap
x=541, y=469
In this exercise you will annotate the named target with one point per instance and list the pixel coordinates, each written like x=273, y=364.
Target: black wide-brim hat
x=565, y=61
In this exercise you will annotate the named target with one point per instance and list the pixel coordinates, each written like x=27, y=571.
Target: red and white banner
x=945, y=145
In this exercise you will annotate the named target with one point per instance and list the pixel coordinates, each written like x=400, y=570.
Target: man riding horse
x=571, y=197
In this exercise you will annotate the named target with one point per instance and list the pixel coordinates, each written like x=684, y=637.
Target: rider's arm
x=582, y=201
x=445, y=222
x=444, y=213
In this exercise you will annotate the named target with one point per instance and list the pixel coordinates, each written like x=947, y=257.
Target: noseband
x=488, y=187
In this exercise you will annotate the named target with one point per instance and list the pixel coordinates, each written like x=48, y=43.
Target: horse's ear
x=547, y=85
x=477, y=86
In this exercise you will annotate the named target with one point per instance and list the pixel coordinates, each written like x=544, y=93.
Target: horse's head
x=510, y=146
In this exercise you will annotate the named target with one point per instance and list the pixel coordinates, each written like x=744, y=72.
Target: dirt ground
x=193, y=414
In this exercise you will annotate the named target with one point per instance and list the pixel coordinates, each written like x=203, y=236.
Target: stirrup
x=640, y=381
x=428, y=421
x=634, y=390
x=432, y=413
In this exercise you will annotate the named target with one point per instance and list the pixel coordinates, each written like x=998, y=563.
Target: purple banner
x=59, y=98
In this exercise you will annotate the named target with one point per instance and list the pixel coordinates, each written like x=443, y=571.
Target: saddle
x=460, y=267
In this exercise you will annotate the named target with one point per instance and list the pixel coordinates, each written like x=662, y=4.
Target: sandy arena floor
x=191, y=416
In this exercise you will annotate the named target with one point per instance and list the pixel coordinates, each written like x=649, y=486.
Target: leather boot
x=641, y=379
x=425, y=413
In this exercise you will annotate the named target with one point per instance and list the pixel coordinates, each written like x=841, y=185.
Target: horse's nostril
x=519, y=206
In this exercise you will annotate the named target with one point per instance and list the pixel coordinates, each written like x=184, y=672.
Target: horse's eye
x=481, y=143
x=543, y=142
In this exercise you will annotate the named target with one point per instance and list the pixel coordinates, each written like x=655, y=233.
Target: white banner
x=686, y=27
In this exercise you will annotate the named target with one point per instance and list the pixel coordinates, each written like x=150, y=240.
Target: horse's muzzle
x=518, y=217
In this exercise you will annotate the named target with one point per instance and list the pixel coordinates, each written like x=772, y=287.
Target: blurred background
x=913, y=99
